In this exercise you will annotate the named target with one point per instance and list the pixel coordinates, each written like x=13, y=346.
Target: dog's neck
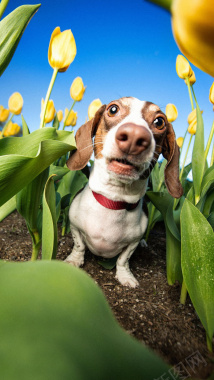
x=103, y=183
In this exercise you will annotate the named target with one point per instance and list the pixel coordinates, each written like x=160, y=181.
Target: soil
x=151, y=313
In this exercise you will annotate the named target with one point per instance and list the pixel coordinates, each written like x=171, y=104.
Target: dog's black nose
x=132, y=138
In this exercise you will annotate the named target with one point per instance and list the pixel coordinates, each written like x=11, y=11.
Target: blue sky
x=124, y=48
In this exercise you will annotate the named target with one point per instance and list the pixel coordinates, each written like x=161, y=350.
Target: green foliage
x=198, y=263
x=11, y=29
x=24, y=158
x=7, y=208
x=49, y=224
x=56, y=324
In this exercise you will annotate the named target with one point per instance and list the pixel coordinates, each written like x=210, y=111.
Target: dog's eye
x=159, y=122
x=113, y=110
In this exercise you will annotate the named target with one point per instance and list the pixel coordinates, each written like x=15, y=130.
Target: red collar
x=114, y=205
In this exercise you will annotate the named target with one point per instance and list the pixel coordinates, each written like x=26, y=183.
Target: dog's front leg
x=123, y=273
x=76, y=257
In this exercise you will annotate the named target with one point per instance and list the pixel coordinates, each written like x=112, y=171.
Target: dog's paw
x=76, y=259
x=143, y=243
x=126, y=278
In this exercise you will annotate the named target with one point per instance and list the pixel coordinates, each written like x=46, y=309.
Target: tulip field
x=54, y=320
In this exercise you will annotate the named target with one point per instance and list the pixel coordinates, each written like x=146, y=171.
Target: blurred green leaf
x=7, y=208
x=49, y=221
x=198, y=155
x=198, y=263
x=56, y=324
x=56, y=123
x=11, y=29
x=24, y=158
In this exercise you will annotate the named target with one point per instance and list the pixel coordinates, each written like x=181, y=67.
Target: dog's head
x=129, y=137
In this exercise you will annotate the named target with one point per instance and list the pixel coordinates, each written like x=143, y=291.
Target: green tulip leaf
x=7, y=208
x=24, y=158
x=55, y=323
x=29, y=199
x=11, y=30
x=198, y=155
x=25, y=129
x=71, y=183
x=58, y=171
x=208, y=180
x=163, y=201
x=197, y=239
x=49, y=221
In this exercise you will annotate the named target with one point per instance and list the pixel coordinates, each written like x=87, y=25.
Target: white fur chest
x=106, y=232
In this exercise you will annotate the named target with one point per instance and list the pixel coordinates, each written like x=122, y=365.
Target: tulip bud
x=192, y=79
x=180, y=141
x=71, y=119
x=211, y=94
x=192, y=127
x=50, y=111
x=12, y=129
x=77, y=89
x=4, y=113
x=15, y=103
x=183, y=67
x=93, y=108
x=62, y=49
x=60, y=115
x=171, y=112
x=192, y=116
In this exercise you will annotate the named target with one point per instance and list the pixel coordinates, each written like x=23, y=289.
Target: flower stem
x=212, y=157
x=6, y=125
x=181, y=172
x=190, y=93
x=64, y=125
x=183, y=294
x=209, y=141
x=36, y=245
x=42, y=122
x=209, y=343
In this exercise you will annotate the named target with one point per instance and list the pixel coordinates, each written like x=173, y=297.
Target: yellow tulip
x=50, y=111
x=183, y=67
x=93, y=108
x=193, y=29
x=192, y=116
x=77, y=89
x=192, y=127
x=192, y=79
x=4, y=113
x=171, y=112
x=60, y=115
x=62, y=49
x=15, y=103
x=211, y=94
x=12, y=129
x=72, y=118
x=180, y=141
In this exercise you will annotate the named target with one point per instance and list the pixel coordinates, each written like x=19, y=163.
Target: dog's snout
x=132, y=138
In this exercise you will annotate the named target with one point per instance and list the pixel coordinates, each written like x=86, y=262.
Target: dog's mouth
x=122, y=166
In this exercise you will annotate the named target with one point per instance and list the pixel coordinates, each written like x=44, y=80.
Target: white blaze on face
x=110, y=148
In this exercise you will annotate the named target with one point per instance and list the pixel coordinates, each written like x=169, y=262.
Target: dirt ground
x=151, y=313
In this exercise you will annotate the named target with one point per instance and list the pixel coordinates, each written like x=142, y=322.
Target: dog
x=107, y=215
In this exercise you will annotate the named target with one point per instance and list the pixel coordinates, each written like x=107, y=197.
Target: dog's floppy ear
x=171, y=152
x=79, y=158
